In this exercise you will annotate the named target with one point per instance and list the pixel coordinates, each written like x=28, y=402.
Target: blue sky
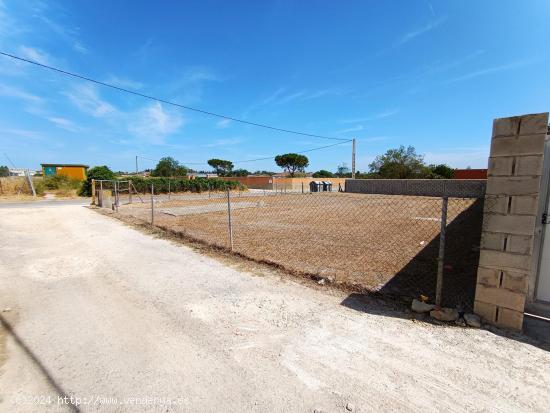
x=432, y=74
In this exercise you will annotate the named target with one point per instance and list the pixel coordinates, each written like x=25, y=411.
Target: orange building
x=74, y=171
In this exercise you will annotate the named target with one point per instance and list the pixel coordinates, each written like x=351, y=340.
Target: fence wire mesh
x=380, y=243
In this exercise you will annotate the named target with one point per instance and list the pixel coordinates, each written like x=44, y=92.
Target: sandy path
x=103, y=312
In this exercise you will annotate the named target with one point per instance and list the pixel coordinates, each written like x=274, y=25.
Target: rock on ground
x=473, y=320
x=445, y=314
x=419, y=307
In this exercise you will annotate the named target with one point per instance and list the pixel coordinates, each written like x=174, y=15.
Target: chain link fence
x=391, y=244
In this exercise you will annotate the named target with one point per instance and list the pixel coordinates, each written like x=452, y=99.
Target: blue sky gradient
x=432, y=74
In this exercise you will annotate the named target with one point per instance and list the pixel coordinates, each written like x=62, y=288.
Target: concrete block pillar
x=511, y=208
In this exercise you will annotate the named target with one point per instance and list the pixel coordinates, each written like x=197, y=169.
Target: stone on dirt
x=350, y=407
x=444, y=314
x=419, y=307
x=472, y=320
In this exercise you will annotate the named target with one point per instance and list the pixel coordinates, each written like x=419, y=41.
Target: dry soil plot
x=358, y=239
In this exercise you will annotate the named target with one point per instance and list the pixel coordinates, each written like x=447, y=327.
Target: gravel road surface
x=122, y=321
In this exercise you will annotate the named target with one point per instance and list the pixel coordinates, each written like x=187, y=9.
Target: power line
x=205, y=112
x=306, y=151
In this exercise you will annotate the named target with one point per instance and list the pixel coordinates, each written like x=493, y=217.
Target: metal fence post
x=302, y=187
x=93, y=191
x=116, y=196
x=169, y=191
x=229, y=219
x=129, y=192
x=152, y=205
x=441, y=256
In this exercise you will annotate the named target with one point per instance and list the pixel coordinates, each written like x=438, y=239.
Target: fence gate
x=541, y=293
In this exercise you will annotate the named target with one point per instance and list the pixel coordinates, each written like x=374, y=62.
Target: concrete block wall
x=511, y=209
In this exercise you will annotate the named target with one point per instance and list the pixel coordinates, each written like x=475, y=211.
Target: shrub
x=97, y=172
x=323, y=174
x=61, y=182
x=161, y=185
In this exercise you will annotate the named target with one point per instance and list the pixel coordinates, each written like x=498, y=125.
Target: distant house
x=20, y=172
x=74, y=171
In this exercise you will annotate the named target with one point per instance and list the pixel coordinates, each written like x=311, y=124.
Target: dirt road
x=122, y=321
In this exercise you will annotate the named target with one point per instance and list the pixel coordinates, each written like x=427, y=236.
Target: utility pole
x=137, y=170
x=353, y=159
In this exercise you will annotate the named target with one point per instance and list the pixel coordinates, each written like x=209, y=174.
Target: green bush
x=97, y=172
x=143, y=185
x=61, y=182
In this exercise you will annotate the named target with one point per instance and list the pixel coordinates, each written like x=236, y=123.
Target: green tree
x=292, y=162
x=168, y=166
x=269, y=173
x=221, y=166
x=400, y=163
x=442, y=170
x=240, y=172
x=323, y=174
x=97, y=172
x=4, y=171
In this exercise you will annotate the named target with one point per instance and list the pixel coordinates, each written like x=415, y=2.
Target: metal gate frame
x=534, y=305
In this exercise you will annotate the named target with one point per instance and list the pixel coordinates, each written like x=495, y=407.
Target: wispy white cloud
x=495, y=69
x=123, y=82
x=14, y=92
x=274, y=96
x=290, y=97
x=21, y=133
x=63, y=123
x=153, y=123
x=224, y=123
x=143, y=51
x=87, y=99
x=407, y=37
x=34, y=54
x=381, y=115
x=68, y=34
x=188, y=88
x=281, y=97
x=352, y=129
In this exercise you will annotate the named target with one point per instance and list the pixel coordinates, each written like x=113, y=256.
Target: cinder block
x=500, y=166
x=486, y=311
x=513, y=185
x=502, y=259
x=520, y=244
x=506, y=126
x=489, y=277
x=509, y=224
x=528, y=165
x=501, y=297
x=492, y=241
x=496, y=204
x=525, y=205
x=533, y=124
x=510, y=319
x=522, y=145
x=516, y=282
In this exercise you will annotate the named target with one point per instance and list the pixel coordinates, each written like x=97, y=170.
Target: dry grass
x=354, y=239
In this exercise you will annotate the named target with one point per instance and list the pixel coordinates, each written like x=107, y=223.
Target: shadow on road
x=36, y=361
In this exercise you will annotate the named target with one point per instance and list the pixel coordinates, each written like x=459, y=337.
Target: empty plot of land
x=365, y=240
x=107, y=314
x=202, y=209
